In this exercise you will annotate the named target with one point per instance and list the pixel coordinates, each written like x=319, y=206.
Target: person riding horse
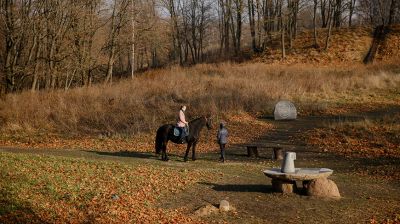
x=182, y=124
x=166, y=133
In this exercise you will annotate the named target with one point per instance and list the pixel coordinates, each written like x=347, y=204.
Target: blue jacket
x=222, y=136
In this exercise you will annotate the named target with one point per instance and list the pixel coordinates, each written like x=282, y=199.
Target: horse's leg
x=164, y=152
x=189, y=144
x=194, y=151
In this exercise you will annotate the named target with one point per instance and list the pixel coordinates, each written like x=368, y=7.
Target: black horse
x=165, y=133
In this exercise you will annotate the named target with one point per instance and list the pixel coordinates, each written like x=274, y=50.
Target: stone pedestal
x=281, y=186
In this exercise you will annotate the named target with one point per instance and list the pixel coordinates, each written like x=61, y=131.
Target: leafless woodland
x=61, y=44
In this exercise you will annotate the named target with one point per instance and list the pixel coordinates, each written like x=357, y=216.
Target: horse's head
x=208, y=122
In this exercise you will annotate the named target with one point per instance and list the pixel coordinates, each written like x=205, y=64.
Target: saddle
x=177, y=131
x=181, y=133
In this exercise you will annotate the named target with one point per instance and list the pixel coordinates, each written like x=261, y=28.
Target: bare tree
x=315, y=24
x=352, y=4
x=239, y=9
x=118, y=19
x=283, y=30
x=330, y=23
x=394, y=8
x=250, y=5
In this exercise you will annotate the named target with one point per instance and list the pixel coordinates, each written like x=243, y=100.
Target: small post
x=277, y=153
x=252, y=151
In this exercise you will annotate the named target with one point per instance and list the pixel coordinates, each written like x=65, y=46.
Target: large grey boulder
x=323, y=187
x=285, y=110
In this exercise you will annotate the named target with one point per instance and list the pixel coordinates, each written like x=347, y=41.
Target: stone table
x=286, y=182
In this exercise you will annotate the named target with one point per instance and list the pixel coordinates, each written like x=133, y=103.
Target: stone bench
x=314, y=180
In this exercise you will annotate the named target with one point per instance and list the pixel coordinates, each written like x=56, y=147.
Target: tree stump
x=277, y=153
x=252, y=151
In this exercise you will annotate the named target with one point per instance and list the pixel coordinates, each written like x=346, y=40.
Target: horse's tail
x=159, y=143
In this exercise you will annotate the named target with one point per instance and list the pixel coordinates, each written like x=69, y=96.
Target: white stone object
x=288, y=163
x=224, y=206
x=285, y=110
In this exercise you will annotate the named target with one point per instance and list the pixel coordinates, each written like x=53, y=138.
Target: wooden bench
x=277, y=153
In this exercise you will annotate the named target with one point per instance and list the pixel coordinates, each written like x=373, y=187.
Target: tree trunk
x=328, y=36
x=252, y=24
x=282, y=33
x=133, y=41
x=324, y=17
x=35, y=70
x=338, y=13
x=393, y=12
x=111, y=57
x=315, y=24
x=290, y=22
x=239, y=8
x=351, y=11
x=227, y=25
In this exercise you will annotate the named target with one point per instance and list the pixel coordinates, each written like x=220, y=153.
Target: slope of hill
x=346, y=46
x=390, y=48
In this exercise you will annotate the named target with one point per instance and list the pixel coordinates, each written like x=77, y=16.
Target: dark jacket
x=222, y=136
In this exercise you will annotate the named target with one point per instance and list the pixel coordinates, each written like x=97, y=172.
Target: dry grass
x=141, y=105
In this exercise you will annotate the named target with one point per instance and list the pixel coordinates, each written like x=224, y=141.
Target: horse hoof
x=194, y=159
x=185, y=159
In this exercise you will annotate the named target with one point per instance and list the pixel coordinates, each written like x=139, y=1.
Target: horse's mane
x=194, y=120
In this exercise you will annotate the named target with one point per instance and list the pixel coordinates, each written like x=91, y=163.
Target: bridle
x=205, y=117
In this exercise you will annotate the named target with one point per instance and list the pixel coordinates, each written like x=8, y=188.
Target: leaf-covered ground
x=45, y=189
x=377, y=138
